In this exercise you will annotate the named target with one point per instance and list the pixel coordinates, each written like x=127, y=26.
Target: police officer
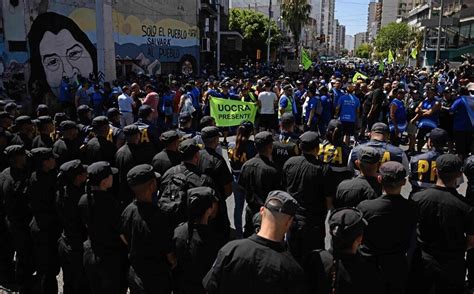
x=46, y=131
x=342, y=269
x=25, y=132
x=445, y=231
x=45, y=226
x=104, y=252
x=422, y=166
x=260, y=263
x=366, y=186
x=84, y=121
x=67, y=147
x=6, y=120
x=468, y=170
x=72, y=177
x=169, y=156
x=148, y=233
x=99, y=148
x=258, y=177
x=18, y=214
x=195, y=243
x=285, y=145
x=391, y=224
x=303, y=175
x=185, y=126
x=378, y=137
x=115, y=135
x=149, y=141
x=42, y=110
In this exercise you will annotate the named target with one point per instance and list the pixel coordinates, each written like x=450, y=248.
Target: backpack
x=174, y=195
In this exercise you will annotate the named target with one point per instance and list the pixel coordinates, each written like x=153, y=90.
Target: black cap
x=287, y=118
x=392, y=172
x=169, y=136
x=439, y=135
x=448, y=163
x=5, y=114
x=262, y=139
x=45, y=119
x=206, y=121
x=210, y=132
x=144, y=111
x=67, y=125
x=100, y=170
x=469, y=167
x=60, y=116
x=83, y=109
x=188, y=147
x=380, y=128
x=333, y=124
x=309, y=140
x=23, y=120
x=131, y=130
x=100, y=121
x=345, y=225
x=287, y=204
x=14, y=150
x=42, y=109
x=369, y=155
x=69, y=170
x=112, y=112
x=246, y=124
x=185, y=117
x=141, y=174
x=10, y=106
x=42, y=153
x=199, y=200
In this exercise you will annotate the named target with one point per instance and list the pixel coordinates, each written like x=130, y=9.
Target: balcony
x=209, y=7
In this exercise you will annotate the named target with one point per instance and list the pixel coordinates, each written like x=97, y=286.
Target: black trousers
x=144, y=281
x=74, y=276
x=7, y=266
x=45, y=248
x=304, y=238
x=394, y=270
x=25, y=264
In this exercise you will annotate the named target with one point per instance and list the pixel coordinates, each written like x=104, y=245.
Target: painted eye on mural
x=51, y=63
x=75, y=52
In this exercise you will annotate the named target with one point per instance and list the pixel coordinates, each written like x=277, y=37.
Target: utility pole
x=218, y=53
x=269, y=31
x=440, y=22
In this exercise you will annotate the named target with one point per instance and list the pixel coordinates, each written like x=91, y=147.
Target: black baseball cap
x=248, y=125
x=42, y=153
x=23, y=120
x=286, y=203
x=45, y=119
x=169, y=136
x=60, y=117
x=199, y=200
x=5, y=114
x=380, y=128
x=392, y=172
x=210, y=132
x=188, y=147
x=287, y=118
x=309, y=140
x=14, y=150
x=67, y=125
x=100, y=170
x=11, y=106
x=42, y=109
x=144, y=111
x=448, y=163
x=83, y=109
x=369, y=155
x=112, y=112
x=438, y=135
x=345, y=225
x=468, y=168
x=263, y=139
x=131, y=130
x=100, y=121
x=206, y=121
x=333, y=124
x=141, y=174
x=69, y=170
x=184, y=117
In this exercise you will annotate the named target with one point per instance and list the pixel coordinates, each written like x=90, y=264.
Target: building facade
x=359, y=39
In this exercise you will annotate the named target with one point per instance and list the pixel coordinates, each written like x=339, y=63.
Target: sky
x=352, y=14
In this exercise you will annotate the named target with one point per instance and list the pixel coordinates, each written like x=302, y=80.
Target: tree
x=394, y=36
x=344, y=52
x=253, y=26
x=364, y=50
x=295, y=14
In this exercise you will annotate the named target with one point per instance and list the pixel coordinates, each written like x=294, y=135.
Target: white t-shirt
x=125, y=103
x=267, y=100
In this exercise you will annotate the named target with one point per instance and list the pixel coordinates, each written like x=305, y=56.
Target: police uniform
x=99, y=148
x=149, y=140
x=43, y=140
x=167, y=158
x=70, y=244
x=67, y=149
x=468, y=170
x=334, y=271
x=195, y=244
x=22, y=138
x=258, y=177
x=285, y=145
x=303, y=175
x=149, y=234
x=104, y=251
x=445, y=220
x=45, y=226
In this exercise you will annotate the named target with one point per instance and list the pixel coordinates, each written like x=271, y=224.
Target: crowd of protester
x=123, y=185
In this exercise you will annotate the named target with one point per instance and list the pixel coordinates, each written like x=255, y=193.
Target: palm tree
x=295, y=14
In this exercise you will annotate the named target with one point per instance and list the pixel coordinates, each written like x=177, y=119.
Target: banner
x=390, y=57
x=357, y=76
x=228, y=113
x=305, y=59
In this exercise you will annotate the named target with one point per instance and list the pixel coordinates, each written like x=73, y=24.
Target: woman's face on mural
x=63, y=56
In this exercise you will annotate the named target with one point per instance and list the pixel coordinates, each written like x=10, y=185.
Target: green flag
x=390, y=59
x=228, y=113
x=305, y=60
x=414, y=53
x=357, y=76
x=381, y=66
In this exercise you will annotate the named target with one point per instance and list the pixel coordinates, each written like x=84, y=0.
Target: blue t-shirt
x=195, y=93
x=348, y=105
x=312, y=104
x=284, y=103
x=461, y=119
x=337, y=94
x=64, y=92
x=97, y=98
x=327, y=108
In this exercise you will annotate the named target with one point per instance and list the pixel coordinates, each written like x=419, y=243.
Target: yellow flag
x=305, y=59
x=357, y=76
x=414, y=53
x=390, y=59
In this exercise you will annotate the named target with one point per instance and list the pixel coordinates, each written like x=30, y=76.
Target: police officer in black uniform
x=6, y=120
x=422, y=166
x=169, y=156
x=104, y=252
x=115, y=135
x=71, y=181
x=149, y=142
x=99, y=148
x=195, y=243
x=302, y=177
x=45, y=127
x=84, y=121
x=5, y=137
x=379, y=134
x=285, y=145
x=45, y=226
x=18, y=214
x=258, y=177
x=468, y=170
x=148, y=233
x=67, y=147
x=25, y=132
x=260, y=263
x=365, y=186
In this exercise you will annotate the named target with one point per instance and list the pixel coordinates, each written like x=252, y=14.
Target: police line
x=228, y=113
